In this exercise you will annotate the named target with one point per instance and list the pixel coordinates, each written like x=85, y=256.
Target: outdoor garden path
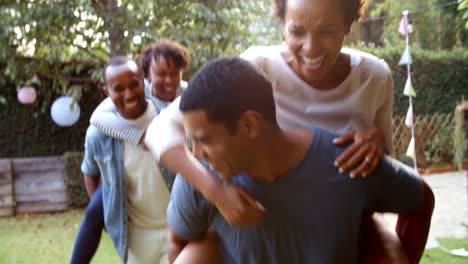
x=450, y=218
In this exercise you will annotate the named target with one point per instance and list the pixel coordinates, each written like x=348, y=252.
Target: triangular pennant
x=409, y=117
x=409, y=90
x=411, y=151
x=403, y=28
x=406, y=57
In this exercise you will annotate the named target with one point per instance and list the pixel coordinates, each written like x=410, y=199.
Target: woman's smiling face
x=314, y=34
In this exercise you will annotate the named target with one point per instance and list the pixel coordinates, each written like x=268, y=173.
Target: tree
x=435, y=22
x=39, y=36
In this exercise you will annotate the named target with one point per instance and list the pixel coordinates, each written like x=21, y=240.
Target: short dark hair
x=225, y=88
x=170, y=50
x=352, y=9
x=115, y=61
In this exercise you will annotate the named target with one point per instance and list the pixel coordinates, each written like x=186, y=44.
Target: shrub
x=74, y=183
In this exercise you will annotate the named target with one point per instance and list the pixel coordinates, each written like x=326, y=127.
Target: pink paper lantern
x=27, y=95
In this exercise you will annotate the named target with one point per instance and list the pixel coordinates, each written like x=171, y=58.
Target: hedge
x=439, y=79
x=74, y=183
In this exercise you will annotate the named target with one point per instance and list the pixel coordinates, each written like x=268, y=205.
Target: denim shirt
x=104, y=157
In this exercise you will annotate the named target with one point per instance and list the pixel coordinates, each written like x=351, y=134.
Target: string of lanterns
x=65, y=111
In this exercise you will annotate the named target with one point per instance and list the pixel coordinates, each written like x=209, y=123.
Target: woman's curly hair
x=169, y=50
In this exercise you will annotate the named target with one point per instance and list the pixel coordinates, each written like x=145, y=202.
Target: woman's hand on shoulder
x=364, y=155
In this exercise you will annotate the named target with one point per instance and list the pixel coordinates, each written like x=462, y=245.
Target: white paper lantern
x=27, y=95
x=65, y=111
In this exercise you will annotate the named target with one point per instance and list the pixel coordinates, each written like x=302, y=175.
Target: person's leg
x=89, y=236
x=380, y=244
x=206, y=251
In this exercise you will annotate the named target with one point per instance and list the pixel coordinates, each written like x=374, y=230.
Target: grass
x=49, y=238
x=437, y=256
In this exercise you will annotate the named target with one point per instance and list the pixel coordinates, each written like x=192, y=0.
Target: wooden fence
x=433, y=133
x=30, y=185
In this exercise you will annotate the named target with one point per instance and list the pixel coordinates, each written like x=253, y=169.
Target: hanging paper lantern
x=65, y=111
x=27, y=95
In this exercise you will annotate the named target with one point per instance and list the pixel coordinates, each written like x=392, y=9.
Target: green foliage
x=460, y=135
x=439, y=78
x=463, y=9
x=434, y=28
x=28, y=130
x=57, y=30
x=74, y=184
x=55, y=45
x=438, y=149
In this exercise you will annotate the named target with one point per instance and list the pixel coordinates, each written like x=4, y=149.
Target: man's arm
x=91, y=184
x=235, y=204
x=105, y=118
x=89, y=166
x=204, y=251
x=397, y=188
x=413, y=228
x=175, y=244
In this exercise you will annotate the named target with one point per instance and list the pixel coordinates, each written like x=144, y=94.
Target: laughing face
x=125, y=87
x=314, y=34
x=224, y=152
x=165, y=78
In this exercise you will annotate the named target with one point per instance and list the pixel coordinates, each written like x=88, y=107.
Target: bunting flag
x=409, y=117
x=409, y=90
x=403, y=29
x=406, y=57
x=411, y=151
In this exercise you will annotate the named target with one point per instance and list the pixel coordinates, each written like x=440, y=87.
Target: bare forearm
x=175, y=245
x=179, y=159
x=413, y=228
x=91, y=184
x=173, y=251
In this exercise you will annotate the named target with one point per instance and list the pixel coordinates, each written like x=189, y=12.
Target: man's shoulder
x=390, y=164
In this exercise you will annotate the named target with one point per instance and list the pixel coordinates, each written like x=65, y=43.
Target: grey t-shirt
x=313, y=213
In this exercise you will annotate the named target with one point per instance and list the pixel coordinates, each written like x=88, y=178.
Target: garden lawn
x=49, y=238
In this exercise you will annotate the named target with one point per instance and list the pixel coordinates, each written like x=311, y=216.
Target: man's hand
x=91, y=184
x=237, y=206
x=364, y=155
